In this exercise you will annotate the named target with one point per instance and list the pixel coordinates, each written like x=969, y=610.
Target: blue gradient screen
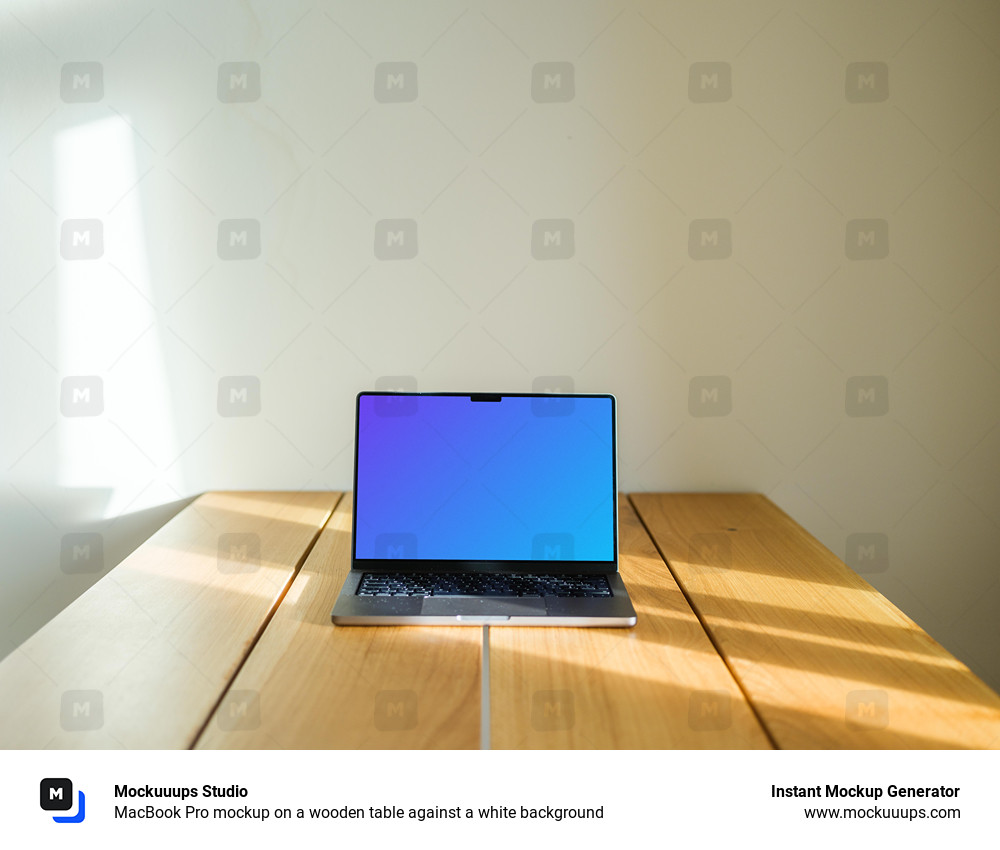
x=522, y=478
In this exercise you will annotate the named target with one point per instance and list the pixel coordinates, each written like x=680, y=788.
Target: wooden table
x=216, y=633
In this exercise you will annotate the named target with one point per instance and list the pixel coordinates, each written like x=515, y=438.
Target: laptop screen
x=485, y=478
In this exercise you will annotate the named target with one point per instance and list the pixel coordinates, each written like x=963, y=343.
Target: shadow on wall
x=53, y=556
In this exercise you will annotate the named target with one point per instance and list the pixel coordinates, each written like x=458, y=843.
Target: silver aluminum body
x=615, y=611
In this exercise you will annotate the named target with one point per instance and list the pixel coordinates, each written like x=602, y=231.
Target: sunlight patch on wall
x=116, y=434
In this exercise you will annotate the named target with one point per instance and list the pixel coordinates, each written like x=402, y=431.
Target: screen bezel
x=475, y=566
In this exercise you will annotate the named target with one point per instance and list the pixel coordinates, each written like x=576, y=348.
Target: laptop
x=484, y=509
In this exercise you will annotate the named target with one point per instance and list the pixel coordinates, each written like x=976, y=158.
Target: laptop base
x=615, y=611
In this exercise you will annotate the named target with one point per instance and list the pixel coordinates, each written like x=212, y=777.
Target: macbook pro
x=484, y=509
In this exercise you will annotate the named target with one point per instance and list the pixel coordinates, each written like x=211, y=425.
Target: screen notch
x=485, y=397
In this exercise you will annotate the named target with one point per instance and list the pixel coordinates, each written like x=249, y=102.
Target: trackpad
x=499, y=606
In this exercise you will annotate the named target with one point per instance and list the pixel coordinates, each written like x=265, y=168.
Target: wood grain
x=140, y=659
x=825, y=659
x=659, y=685
x=316, y=685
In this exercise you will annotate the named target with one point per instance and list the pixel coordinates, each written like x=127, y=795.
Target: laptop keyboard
x=482, y=584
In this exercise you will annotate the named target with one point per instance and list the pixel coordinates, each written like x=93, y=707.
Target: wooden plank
x=825, y=659
x=310, y=684
x=659, y=685
x=141, y=658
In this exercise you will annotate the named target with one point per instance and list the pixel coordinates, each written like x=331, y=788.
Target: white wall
x=835, y=347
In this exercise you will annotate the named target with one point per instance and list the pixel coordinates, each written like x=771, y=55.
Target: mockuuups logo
x=56, y=795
